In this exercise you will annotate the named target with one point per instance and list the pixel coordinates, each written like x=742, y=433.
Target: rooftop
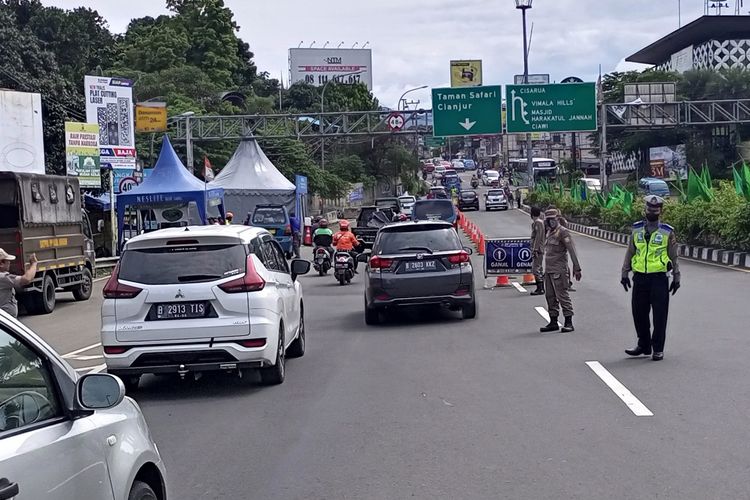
x=702, y=29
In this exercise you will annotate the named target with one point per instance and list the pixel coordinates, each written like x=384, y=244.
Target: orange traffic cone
x=529, y=279
x=502, y=281
x=480, y=245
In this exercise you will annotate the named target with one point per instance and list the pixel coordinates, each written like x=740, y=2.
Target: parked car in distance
x=275, y=220
x=203, y=298
x=592, y=185
x=651, y=185
x=495, y=199
x=407, y=204
x=436, y=192
x=435, y=209
x=65, y=436
x=428, y=166
x=416, y=264
x=491, y=178
x=470, y=165
x=468, y=200
x=458, y=165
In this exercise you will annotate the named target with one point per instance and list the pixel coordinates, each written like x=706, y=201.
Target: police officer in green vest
x=652, y=252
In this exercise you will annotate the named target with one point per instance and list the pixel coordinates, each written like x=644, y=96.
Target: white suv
x=201, y=298
x=68, y=438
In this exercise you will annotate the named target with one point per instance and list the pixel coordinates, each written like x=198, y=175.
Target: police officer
x=652, y=252
x=557, y=246
x=537, y=249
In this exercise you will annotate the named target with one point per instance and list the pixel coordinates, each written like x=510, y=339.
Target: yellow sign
x=53, y=243
x=466, y=73
x=150, y=117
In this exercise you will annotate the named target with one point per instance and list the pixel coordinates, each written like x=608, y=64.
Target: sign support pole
x=529, y=150
x=112, y=213
x=603, y=149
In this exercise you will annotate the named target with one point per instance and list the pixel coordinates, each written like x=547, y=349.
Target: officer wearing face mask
x=557, y=246
x=652, y=252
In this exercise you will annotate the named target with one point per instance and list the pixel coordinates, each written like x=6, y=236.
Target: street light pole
x=401, y=100
x=189, y=140
x=525, y=5
x=320, y=124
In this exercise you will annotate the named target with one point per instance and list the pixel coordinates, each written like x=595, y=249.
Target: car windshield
x=492, y=173
x=495, y=192
x=269, y=215
x=433, y=209
x=416, y=239
x=407, y=199
x=182, y=264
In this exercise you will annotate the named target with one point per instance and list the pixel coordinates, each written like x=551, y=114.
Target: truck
x=43, y=214
x=369, y=222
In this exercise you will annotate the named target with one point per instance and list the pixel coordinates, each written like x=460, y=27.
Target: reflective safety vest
x=651, y=255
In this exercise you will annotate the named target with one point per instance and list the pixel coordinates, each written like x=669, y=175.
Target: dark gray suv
x=419, y=263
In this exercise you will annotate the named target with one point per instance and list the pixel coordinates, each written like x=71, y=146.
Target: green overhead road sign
x=434, y=142
x=467, y=111
x=561, y=107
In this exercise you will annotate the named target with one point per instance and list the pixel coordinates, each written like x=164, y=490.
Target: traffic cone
x=529, y=279
x=502, y=281
x=307, y=239
x=480, y=245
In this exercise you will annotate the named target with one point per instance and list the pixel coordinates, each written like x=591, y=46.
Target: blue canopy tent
x=100, y=202
x=170, y=183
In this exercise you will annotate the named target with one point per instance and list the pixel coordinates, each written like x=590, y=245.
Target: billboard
x=109, y=103
x=151, y=117
x=466, y=73
x=21, y=135
x=668, y=162
x=319, y=66
x=82, y=153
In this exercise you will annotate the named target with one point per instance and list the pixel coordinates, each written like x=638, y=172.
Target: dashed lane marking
x=518, y=287
x=92, y=369
x=544, y=314
x=622, y=392
x=74, y=354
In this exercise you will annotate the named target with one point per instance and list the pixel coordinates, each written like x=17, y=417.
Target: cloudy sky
x=414, y=40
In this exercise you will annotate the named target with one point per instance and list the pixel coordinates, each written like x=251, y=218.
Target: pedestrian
x=564, y=223
x=557, y=246
x=295, y=225
x=230, y=218
x=651, y=254
x=10, y=282
x=537, y=249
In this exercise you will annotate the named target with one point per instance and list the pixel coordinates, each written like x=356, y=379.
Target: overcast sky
x=414, y=40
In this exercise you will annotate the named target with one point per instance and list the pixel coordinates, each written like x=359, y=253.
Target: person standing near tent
x=230, y=218
x=296, y=227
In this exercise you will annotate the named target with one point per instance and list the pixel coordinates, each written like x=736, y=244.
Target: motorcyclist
x=323, y=237
x=474, y=181
x=345, y=241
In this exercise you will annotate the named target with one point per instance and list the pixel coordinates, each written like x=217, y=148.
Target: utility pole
x=523, y=6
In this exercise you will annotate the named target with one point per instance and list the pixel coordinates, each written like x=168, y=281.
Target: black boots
x=552, y=327
x=638, y=351
x=568, y=325
x=539, y=289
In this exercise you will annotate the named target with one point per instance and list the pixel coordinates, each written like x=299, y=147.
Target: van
x=651, y=185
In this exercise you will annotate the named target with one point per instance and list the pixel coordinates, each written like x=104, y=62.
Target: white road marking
x=101, y=279
x=518, y=287
x=73, y=354
x=622, y=392
x=544, y=314
x=92, y=369
x=86, y=358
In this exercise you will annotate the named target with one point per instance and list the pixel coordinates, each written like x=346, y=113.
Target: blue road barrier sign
x=507, y=256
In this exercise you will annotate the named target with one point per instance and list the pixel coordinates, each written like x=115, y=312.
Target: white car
x=458, y=165
x=200, y=298
x=593, y=185
x=495, y=198
x=490, y=177
x=407, y=204
x=65, y=437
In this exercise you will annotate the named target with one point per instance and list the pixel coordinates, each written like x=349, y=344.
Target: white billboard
x=109, y=103
x=21, y=133
x=319, y=66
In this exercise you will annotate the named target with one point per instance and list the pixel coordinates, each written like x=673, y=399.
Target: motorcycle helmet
x=323, y=223
x=344, y=225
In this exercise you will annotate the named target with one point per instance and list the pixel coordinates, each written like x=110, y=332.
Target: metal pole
x=112, y=213
x=189, y=144
x=529, y=152
x=603, y=149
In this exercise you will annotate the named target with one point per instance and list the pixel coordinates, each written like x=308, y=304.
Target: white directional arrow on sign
x=467, y=124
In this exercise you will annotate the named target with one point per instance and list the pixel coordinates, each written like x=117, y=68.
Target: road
x=487, y=408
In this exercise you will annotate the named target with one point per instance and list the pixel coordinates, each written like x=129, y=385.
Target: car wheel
x=83, y=291
x=274, y=375
x=297, y=349
x=372, y=315
x=469, y=311
x=141, y=491
x=131, y=382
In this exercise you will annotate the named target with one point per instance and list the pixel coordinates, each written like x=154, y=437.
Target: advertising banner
x=669, y=162
x=507, y=256
x=151, y=117
x=82, y=153
x=22, y=140
x=466, y=73
x=109, y=103
x=126, y=179
x=319, y=66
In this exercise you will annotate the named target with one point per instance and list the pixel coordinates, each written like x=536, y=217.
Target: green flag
x=739, y=182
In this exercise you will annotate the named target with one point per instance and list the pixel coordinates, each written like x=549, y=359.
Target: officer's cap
x=653, y=201
x=552, y=213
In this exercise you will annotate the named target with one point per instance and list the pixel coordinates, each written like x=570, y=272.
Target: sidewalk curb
x=730, y=259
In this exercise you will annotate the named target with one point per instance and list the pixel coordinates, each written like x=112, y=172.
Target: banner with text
x=507, y=256
x=82, y=153
x=109, y=103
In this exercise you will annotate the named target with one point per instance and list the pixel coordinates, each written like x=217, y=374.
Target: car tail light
x=111, y=349
x=458, y=258
x=251, y=282
x=252, y=343
x=113, y=289
x=380, y=263
x=287, y=230
x=462, y=291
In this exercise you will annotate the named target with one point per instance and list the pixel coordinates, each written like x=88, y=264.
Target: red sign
x=395, y=122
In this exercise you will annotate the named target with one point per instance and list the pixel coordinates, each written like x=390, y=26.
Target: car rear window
x=182, y=264
x=433, y=209
x=417, y=239
x=468, y=195
x=495, y=192
x=269, y=215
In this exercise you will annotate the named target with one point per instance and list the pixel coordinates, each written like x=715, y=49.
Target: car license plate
x=420, y=266
x=180, y=310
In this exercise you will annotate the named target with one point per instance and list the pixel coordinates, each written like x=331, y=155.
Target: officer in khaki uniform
x=557, y=246
x=652, y=252
x=537, y=249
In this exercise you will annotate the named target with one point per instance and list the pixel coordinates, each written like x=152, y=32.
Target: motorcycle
x=343, y=269
x=474, y=183
x=321, y=260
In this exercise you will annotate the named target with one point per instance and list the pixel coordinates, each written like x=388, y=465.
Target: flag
x=208, y=172
x=739, y=182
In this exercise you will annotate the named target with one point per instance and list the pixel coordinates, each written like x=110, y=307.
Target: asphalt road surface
x=430, y=406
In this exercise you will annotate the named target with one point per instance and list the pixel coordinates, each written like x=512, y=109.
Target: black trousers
x=651, y=294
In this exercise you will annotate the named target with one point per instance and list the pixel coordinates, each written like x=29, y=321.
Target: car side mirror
x=300, y=267
x=469, y=250
x=99, y=391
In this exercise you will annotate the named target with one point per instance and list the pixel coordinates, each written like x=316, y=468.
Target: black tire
x=289, y=255
x=141, y=491
x=321, y=272
x=297, y=348
x=342, y=280
x=131, y=382
x=274, y=375
x=372, y=315
x=83, y=291
x=44, y=301
x=469, y=311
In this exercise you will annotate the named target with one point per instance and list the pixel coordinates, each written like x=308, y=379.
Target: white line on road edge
x=101, y=279
x=544, y=314
x=93, y=369
x=622, y=392
x=82, y=349
x=518, y=287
